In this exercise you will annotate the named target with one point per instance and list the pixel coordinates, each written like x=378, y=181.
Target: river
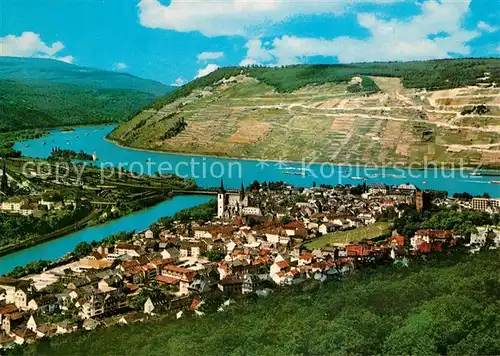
x=137, y=221
x=207, y=172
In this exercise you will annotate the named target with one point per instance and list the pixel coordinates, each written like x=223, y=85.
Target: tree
x=214, y=255
x=463, y=196
x=82, y=249
x=255, y=185
x=285, y=220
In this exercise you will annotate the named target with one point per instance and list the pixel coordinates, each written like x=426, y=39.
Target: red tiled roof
x=400, y=239
x=187, y=273
x=124, y=246
x=435, y=234
x=356, y=250
x=167, y=280
x=261, y=260
x=8, y=309
x=306, y=256
x=131, y=287
x=293, y=225
x=283, y=264
x=129, y=264
x=195, y=304
x=148, y=267
x=424, y=247
x=5, y=339
x=264, y=252
x=135, y=270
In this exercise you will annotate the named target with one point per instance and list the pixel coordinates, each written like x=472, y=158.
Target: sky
x=175, y=41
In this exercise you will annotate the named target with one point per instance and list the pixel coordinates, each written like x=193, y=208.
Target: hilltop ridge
x=41, y=70
x=380, y=113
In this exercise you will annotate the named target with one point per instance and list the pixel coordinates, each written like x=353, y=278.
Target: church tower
x=242, y=192
x=221, y=200
x=4, y=185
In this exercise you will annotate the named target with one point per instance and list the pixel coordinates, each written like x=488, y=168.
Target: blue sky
x=173, y=41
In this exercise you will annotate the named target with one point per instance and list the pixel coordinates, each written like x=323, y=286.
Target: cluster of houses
x=176, y=269
x=33, y=205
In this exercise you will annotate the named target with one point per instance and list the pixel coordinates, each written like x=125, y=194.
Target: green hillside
x=41, y=93
x=442, y=306
x=36, y=70
x=38, y=106
x=434, y=75
x=445, y=111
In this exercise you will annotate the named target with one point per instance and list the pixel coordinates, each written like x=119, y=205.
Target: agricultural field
x=346, y=237
x=380, y=122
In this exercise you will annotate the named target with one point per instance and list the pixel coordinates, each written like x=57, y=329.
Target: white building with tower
x=231, y=204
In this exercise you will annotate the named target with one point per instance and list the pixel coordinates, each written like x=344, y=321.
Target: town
x=251, y=242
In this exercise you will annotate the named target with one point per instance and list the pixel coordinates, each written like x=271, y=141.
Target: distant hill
x=382, y=113
x=39, y=93
x=36, y=70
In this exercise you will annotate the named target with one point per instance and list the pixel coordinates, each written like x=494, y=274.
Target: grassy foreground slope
x=398, y=113
x=40, y=93
x=442, y=306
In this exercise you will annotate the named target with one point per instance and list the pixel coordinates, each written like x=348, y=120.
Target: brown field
x=250, y=131
x=343, y=124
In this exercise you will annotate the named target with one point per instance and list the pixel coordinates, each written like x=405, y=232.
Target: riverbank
x=49, y=237
x=434, y=165
x=93, y=219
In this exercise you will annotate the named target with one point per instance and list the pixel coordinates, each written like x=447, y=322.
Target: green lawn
x=344, y=237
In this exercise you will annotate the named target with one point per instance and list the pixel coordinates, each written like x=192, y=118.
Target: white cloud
x=179, y=82
x=483, y=26
x=257, y=53
x=29, y=44
x=389, y=39
x=207, y=70
x=233, y=17
x=204, y=56
x=120, y=66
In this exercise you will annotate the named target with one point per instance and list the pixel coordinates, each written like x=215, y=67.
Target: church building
x=231, y=204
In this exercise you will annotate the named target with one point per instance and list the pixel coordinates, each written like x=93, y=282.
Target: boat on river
x=295, y=173
x=485, y=174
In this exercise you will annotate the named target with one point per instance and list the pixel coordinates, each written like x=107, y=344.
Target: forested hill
x=37, y=70
x=40, y=93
